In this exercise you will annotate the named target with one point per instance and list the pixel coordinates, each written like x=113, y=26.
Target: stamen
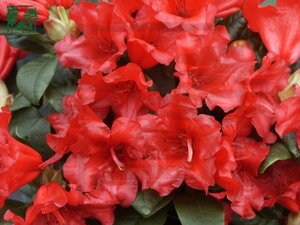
x=59, y=217
x=116, y=160
x=190, y=150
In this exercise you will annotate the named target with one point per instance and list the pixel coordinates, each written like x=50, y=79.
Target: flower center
x=115, y=158
x=190, y=150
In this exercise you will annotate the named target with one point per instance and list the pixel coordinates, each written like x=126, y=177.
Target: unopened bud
x=59, y=24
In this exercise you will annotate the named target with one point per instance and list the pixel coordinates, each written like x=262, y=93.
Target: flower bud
x=59, y=24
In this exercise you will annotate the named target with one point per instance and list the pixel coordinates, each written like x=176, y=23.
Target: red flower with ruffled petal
x=277, y=25
x=128, y=8
x=240, y=184
x=103, y=156
x=281, y=184
x=8, y=56
x=124, y=90
x=257, y=111
x=271, y=78
x=150, y=41
x=192, y=15
x=210, y=70
x=54, y=205
x=102, y=42
x=18, y=162
x=179, y=145
x=227, y=7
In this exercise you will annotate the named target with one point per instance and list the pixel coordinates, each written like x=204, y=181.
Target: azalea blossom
x=277, y=26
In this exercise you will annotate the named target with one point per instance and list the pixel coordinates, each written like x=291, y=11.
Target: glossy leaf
x=56, y=94
x=25, y=194
x=34, y=77
x=35, y=43
x=278, y=152
x=291, y=143
x=149, y=202
x=28, y=125
x=20, y=102
x=194, y=209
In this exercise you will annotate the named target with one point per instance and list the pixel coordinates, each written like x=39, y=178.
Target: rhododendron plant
x=164, y=112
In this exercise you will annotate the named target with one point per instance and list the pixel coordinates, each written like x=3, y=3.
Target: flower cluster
x=213, y=128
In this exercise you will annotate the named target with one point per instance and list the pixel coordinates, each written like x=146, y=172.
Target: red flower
x=271, y=78
x=18, y=162
x=103, y=156
x=8, y=57
x=54, y=205
x=241, y=186
x=124, y=90
x=102, y=42
x=177, y=147
x=42, y=7
x=288, y=118
x=150, y=41
x=281, y=184
x=128, y=8
x=192, y=15
x=227, y=7
x=211, y=71
x=277, y=26
x=257, y=111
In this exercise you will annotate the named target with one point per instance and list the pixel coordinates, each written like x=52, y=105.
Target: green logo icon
x=27, y=24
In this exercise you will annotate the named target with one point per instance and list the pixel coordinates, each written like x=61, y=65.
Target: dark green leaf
x=131, y=217
x=149, y=202
x=25, y=194
x=235, y=25
x=28, y=125
x=35, y=43
x=56, y=94
x=268, y=3
x=194, y=209
x=3, y=28
x=34, y=77
x=291, y=143
x=278, y=152
x=20, y=102
x=16, y=207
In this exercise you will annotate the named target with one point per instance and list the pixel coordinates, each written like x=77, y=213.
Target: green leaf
x=131, y=217
x=35, y=43
x=20, y=102
x=278, y=152
x=56, y=94
x=235, y=25
x=194, y=209
x=29, y=125
x=25, y=194
x=34, y=77
x=16, y=207
x=290, y=142
x=268, y=3
x=149, y=202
